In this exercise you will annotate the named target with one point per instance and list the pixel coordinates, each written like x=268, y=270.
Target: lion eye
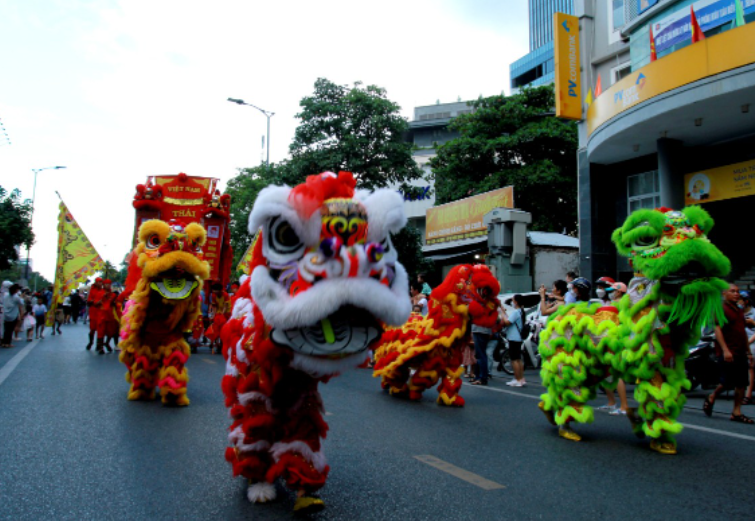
x=283, y=237
x=153, y=242
x=643, y=242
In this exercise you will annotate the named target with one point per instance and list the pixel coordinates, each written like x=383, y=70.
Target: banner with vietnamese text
x=463, y=219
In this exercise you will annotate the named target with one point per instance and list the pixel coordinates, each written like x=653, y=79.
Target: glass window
x=643, y=191
x=618, y=14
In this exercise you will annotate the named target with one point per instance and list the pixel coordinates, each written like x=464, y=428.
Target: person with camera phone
x=516, y=332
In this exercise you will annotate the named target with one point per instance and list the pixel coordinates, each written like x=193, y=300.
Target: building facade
x=536, y=68
x=674, y=124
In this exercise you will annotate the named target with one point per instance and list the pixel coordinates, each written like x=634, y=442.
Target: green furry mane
x=699, y=304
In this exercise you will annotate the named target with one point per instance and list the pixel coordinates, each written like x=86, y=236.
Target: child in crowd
x=29, y=322
x=39, y=309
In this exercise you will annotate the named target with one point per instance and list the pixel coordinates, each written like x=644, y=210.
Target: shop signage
x=463, y=219
x=675, y=28
x=718, y=184
x=566, y=58
x=726, y=51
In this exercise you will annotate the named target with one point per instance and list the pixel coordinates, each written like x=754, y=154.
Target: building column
x=670, y=174
x=584, y=215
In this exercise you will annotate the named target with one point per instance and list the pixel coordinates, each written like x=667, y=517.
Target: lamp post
x=267, y=114
x=31, y=219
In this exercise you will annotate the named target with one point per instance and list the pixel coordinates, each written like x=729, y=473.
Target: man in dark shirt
x=734, y=356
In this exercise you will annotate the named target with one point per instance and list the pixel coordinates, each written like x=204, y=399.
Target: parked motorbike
x=701, y=365
x=530, y=352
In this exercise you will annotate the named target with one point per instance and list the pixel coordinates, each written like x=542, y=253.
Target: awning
x=471, y=243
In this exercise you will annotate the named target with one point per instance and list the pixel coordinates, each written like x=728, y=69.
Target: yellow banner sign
x=566, y=58
x=463, y=219
x=718, y=184
x=714, y=55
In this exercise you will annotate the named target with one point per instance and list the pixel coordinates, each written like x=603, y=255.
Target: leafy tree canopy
x=357, y=129
x=514, y=140
x=408, y=244
x=15, y=226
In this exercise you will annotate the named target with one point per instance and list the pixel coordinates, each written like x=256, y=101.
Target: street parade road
x=73, y=448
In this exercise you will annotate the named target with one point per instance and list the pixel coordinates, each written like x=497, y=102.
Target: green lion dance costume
x=674, y=294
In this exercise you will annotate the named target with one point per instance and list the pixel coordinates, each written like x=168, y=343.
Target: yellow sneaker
x=568, y=433
x=662, y=447
x=308, y=505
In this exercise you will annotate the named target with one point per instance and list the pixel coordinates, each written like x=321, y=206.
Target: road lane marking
x=685, y=425
x=207, y=360
x=460, y=473
x=13, y=362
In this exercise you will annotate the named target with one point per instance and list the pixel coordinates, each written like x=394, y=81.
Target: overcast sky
x=120, y=90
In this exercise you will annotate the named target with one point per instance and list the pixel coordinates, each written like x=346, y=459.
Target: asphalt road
x=72, y=447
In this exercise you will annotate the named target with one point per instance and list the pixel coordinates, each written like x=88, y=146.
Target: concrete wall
x=550, y=264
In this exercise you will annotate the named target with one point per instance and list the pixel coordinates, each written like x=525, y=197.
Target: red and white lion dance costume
x=324, y=281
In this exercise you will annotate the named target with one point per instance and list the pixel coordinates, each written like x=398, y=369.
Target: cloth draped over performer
x=166, y=272
x=645, y=338
x=324, y=277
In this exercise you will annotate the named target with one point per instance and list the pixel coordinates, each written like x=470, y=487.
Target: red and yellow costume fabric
x=166, y=273
x=432, y=345
x=324, y=279
x=220, y=310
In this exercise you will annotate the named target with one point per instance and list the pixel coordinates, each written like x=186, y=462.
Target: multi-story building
x=674, y=125
x=536, y=68
x=428, y=130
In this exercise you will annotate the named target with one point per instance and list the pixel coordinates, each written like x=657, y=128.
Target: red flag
x=653, y=55
x=697, y=33
x=598, y=87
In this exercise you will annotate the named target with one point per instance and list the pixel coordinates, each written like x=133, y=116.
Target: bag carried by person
x=526, y=329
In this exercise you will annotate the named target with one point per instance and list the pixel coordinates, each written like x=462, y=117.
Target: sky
x=118, y=90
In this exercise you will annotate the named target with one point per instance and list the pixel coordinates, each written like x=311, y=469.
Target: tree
x=357, y=129
x=408, y=244
x=15, y=226
x=243, y=190
x=517, y=141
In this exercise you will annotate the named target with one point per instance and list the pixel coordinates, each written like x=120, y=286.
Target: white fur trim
x=319, y=367
x=272, y=202
x=257, y=446
x=230, y=368
x=317, y=459
x=261, y=492
x=242, y=307
x=390, y=305
x=385, y=213
x=241, y=353
x=256, y=396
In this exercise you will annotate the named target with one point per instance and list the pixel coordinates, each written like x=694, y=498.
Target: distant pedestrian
x=67, y=309
x=76, y=302
x=417, y=297
x=426, y=289
x=604, y=288
x=12, y=312
x=550, y=302
x=569, y=296
x=39, y=310
x=734, y=356
x=29, y=321
x=47, y=295
x=514, y=324
x=619, y=290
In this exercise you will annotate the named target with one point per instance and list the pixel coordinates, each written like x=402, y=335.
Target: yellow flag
x=588, y=98
x=246, y=259
x=77, y=259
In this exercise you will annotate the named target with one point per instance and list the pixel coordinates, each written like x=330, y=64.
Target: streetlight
x=267, y=114
x=33, y=197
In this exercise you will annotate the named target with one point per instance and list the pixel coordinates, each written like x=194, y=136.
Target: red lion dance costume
x=324, y=278
x=432, y=345
x=165, y=275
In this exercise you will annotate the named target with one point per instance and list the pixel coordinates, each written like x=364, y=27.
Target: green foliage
x=243, y=190
x=357, y=129
x=516, y=141
x=16, y=273
x=354, y=129
x=408, y=244
x=15, y=226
